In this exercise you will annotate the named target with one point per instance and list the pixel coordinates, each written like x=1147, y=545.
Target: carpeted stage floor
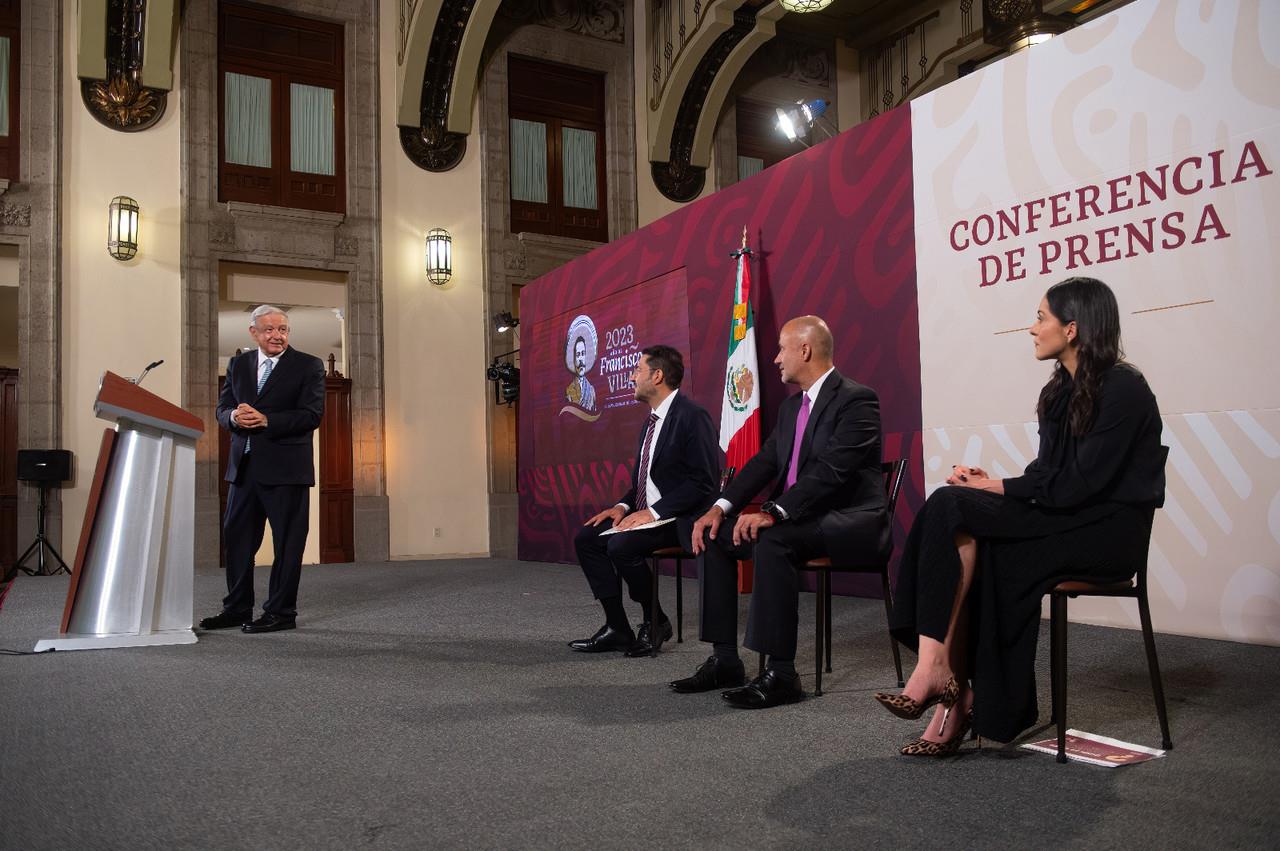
x=434, y=704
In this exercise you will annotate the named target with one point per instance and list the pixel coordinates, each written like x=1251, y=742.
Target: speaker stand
x=40, y=544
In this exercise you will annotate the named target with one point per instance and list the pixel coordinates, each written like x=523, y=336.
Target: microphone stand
x=150, y=367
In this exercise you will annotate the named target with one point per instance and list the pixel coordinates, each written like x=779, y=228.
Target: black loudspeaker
x=44, y=465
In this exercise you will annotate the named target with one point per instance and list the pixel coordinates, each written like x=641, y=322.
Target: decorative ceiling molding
x=602, y=19
x=440, y=51
x=679, y=156
x=801, y=61
x=125, y=60
x=441, y=46
x=402, y=33
x=429, y=144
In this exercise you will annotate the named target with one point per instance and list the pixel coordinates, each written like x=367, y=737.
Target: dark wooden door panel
x=8, y=469
x=337, y=475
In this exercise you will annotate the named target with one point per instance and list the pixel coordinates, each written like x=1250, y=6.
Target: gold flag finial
x=744, y=236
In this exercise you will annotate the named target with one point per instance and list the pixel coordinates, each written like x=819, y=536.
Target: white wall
x=116, y=316
x=433, y=347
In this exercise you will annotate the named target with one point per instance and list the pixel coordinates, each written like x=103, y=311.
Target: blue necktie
x=262, y=380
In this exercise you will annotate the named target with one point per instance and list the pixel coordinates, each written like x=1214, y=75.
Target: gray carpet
x=434, y=705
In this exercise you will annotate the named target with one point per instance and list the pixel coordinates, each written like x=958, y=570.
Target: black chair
x=678, y=555
x=1058, y=596
x=894, y=472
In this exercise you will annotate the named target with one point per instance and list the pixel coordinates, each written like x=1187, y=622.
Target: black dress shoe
x=270, y=623
x=769, y=689
x=712, y=674
x=644, y=643
x=606, y=638
x=226, y=620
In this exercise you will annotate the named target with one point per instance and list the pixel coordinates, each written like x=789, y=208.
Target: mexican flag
x=740, y=412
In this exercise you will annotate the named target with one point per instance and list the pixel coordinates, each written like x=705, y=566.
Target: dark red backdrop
x=833, y=232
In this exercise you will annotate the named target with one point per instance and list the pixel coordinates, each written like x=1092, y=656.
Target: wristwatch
x=774, y=510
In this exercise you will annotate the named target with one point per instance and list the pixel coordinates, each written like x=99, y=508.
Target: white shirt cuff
x=724, y=505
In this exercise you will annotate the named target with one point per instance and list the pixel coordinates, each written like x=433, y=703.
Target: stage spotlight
x=504, y=322
x=796, y=122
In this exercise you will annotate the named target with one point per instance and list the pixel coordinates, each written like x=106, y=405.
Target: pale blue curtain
x=579, y=168
x=749, y=167
x=246, y=120
x=311, y=135
x=528, y=161
x=4, y=85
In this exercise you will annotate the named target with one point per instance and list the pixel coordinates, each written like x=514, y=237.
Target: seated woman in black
x=983, y=552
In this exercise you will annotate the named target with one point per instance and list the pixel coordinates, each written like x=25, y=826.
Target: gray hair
x=265, y=310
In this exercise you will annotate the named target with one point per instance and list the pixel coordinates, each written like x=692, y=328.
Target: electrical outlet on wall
x=437, y=532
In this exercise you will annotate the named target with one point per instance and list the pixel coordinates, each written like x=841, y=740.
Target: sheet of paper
x=1097, y=750
x=653, y=525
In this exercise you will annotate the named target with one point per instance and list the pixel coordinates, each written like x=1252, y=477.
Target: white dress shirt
x=651, y=492
x=263, y=357
x=814, y=389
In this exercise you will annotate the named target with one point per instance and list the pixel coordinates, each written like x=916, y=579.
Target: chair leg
x=1058, y=665
x=819, y=616
x=1153, y=665
x=888, y=612
x=826, y=596
x=679, y=601
x=653, y=604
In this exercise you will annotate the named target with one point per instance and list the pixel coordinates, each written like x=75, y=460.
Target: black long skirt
x=1023, y=551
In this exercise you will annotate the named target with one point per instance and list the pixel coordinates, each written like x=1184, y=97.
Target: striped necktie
x=262, y=380
x=642, y=480
x=266, y=373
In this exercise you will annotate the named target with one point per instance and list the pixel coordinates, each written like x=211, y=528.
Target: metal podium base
x=102, y=642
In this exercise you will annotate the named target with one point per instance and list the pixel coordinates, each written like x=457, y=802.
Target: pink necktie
x=802, y=420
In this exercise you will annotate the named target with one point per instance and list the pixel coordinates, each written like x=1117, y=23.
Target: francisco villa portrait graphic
x=579, y=357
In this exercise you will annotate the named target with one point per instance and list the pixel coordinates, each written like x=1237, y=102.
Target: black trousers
x=773, y=617
x=611, y=559
x=250, y=506
x=1023, y=551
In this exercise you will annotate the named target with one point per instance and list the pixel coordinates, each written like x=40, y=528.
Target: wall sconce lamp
x=122, y=228
x=504, y=322
x=439, y=256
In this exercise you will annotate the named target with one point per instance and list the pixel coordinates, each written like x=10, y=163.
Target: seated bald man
x=827, y=498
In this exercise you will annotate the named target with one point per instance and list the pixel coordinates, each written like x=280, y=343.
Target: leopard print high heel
x=904, y=707
x=922, y=747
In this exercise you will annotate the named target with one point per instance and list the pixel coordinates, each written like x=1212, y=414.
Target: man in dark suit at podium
x=271, y=402
x=677, y=466
x=828, y=499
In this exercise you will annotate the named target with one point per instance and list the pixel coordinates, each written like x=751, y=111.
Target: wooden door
x=8, y=469
x=337, y=476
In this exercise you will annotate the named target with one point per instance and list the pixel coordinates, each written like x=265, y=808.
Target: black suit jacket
x=840, y=483
x=685, y=463
x=293, y=402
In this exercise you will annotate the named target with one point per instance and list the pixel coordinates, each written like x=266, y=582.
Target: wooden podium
x=133, y=578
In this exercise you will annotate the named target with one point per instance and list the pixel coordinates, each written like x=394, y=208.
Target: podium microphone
x=150, y=367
